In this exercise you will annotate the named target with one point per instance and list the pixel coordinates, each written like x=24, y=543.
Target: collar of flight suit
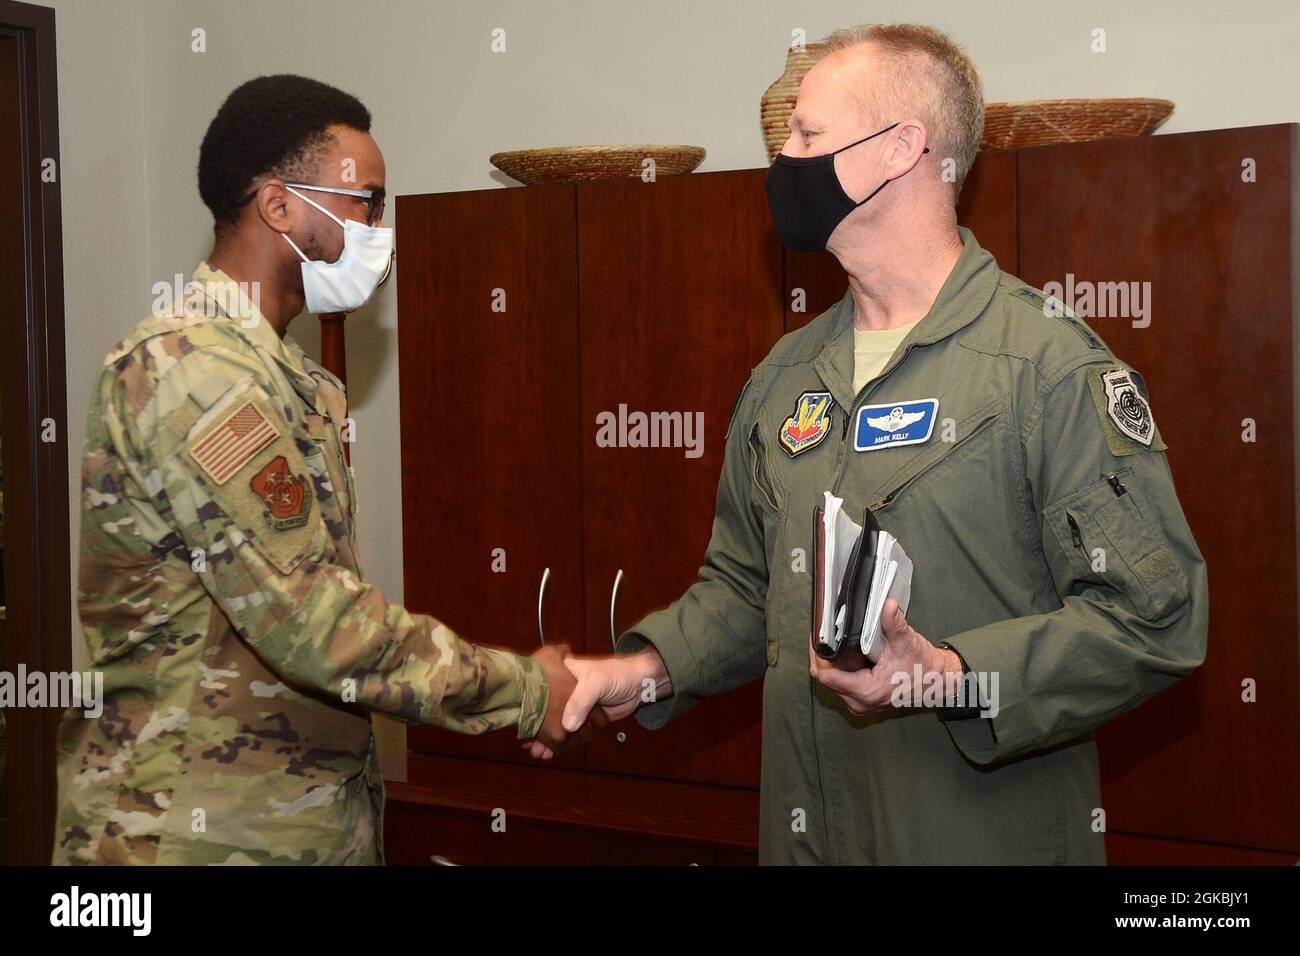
x=965, y=294
x=259, y=332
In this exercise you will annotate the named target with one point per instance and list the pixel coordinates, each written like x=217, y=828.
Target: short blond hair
x=928, y=76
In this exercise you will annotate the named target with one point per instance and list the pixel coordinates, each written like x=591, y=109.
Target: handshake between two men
x=586, y=693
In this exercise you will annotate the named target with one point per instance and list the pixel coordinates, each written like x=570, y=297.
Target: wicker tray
x=1039, y=122
x=573, y=164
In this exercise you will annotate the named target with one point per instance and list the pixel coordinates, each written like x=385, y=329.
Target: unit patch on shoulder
x=231, y=444
x=287, y=496
x=809, y=425
x=1125, y=412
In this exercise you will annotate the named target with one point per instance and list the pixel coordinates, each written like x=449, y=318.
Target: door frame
x=33, y=393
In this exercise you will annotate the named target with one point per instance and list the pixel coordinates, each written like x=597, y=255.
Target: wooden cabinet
x=526, y=313
x=491, y=471
x=679, y=298
x=1205, y=225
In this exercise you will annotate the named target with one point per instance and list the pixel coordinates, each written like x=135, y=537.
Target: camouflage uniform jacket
x=221, y=596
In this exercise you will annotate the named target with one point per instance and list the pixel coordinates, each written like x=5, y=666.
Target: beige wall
x=134, y=102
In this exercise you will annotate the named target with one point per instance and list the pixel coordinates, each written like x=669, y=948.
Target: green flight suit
x=1049, y=549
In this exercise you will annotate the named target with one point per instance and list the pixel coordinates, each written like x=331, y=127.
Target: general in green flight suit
x=1014, y=457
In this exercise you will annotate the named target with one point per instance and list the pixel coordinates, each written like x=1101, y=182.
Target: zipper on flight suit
x=828, y=852
x=857, y=401
x=885, y=501
x=1075, y=535
x=758, y=470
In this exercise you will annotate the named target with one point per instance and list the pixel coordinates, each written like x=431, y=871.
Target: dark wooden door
x=36, y=632
x=814, y=281
x=490, y=440
x=1198, y=762
x=680, y=298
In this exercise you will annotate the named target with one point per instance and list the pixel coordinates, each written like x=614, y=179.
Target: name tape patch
x=893, y=424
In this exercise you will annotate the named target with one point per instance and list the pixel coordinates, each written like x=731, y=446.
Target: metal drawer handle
x=613, y=600
x=541, y=596
x=437, y=860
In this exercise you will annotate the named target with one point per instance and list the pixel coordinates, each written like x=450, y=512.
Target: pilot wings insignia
x=896, y=419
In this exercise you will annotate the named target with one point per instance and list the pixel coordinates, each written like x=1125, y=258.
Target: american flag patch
x=230, y=445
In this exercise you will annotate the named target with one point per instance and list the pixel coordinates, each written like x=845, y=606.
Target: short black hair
x=269, y=126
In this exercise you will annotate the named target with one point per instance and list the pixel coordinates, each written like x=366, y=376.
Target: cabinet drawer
x=414, y=835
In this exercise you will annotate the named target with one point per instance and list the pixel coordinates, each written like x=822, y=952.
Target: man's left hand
x=868, y=690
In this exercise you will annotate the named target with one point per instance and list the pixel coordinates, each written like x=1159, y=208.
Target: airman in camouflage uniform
x=222, y=598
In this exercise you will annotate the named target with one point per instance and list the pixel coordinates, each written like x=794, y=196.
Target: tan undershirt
x=872, y=351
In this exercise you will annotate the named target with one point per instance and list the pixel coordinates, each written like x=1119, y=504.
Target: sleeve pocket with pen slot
x=1108, y=533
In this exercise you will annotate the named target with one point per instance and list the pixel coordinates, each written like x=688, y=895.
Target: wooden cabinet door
x=814, y=281
x=489, y=395
x=680, y=298
x=1176, y=212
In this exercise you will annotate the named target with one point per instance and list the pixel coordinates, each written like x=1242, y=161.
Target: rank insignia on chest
x=890, y=425
x=287, y=496
x=810, y=423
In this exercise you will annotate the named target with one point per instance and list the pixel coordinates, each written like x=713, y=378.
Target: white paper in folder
x=891, y=576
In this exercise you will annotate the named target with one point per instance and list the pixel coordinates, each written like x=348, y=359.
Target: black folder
x=854, y=591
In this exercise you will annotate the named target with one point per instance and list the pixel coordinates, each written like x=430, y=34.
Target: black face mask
x=807, y=200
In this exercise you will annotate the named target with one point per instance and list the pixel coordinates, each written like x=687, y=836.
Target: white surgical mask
x=348, y=282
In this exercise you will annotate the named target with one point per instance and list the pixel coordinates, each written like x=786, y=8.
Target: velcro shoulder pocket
x=1110, y=536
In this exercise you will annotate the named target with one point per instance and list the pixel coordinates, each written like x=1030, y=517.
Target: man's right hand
x=553, y=737
x=608, y=688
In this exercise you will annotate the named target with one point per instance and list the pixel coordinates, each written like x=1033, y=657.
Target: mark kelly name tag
x=899, y=423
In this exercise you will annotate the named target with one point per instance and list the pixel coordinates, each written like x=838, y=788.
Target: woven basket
x=1006, y=125
x=575, y=164
x=778, y=101
x=1039, y=122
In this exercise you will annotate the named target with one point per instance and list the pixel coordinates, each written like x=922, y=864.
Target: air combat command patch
x=810, y=423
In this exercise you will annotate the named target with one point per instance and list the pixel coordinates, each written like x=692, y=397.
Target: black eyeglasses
x=374, y=199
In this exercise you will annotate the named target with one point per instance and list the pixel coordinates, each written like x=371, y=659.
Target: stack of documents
x=856, y=567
